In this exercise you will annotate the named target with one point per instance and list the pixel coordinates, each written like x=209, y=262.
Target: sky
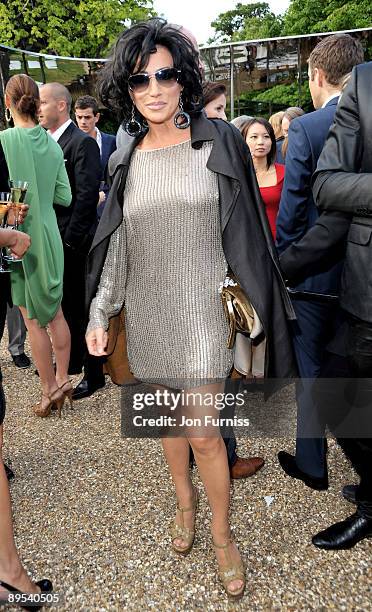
x=196, y=15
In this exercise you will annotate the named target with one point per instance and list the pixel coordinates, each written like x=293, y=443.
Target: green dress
x=33, y=156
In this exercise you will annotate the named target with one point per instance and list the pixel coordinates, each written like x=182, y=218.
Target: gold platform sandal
x=57, y=398
x=230, y=571
x=182, y=532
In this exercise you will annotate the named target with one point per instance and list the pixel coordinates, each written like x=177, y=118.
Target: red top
x=271, y=197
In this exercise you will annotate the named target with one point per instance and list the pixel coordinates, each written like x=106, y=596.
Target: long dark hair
x=24, y=95
x=270, y=159
x=131, y=54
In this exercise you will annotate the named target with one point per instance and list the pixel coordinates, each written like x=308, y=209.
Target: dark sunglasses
x=165, y=77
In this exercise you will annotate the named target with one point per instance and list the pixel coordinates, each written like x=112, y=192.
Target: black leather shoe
x=9, y=473
x=345, y=534
x=289, y=465
x=44, y=585
x=349, y=493
x=21, y=361
x=86, y=388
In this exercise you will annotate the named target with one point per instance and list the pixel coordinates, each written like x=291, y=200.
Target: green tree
x=286, y=95
x=246, y=21
x=307, y=16
x=69, y=27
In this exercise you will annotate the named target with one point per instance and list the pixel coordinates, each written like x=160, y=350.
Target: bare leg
x=211, y=458
x=41, y=348
x=11, y=569
x=177, y=455
x=61, y=339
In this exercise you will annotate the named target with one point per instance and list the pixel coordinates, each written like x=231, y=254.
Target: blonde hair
x=276, y=121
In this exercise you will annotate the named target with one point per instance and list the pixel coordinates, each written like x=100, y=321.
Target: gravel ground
x=92, y=511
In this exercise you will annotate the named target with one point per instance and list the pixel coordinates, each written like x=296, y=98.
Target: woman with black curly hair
x=182, y=207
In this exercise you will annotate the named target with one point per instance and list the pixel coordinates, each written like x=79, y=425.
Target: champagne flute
x=4, y=207
x=18, y=190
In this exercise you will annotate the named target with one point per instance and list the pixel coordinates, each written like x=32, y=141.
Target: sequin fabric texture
x=166, y=262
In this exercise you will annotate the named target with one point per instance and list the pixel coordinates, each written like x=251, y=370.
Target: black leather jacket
x=246, y=235
x=343, y=182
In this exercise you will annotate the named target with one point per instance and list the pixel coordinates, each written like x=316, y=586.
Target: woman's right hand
x=18, y=242
x=96, y=340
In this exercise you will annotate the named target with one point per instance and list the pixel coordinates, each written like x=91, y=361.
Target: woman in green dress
x=31, y=155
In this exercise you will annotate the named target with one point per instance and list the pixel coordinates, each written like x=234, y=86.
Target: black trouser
x=359, y=450
x=357, y=365
x=73, y=305
x=93, y=368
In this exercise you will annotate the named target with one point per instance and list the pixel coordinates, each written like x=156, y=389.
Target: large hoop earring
x=133, y=127
x=182, y=119
x=8, y=114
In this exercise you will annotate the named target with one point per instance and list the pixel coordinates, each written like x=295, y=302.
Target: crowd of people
x=156, y=220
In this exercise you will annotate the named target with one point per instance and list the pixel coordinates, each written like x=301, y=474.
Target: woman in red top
x=260, y=138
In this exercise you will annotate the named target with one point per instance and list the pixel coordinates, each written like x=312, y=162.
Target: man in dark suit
x=343, y=186
x=87, y=116
x=77, y=223
x=315, y=299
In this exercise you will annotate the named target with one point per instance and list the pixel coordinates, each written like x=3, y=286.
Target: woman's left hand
x=22, y=214
x=96, y=341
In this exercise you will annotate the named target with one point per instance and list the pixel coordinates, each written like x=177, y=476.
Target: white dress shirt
x=62, y=128
x=334, y=95
x=99, y=140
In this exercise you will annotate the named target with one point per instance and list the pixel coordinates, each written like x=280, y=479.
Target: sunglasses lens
x=167, y=76
x=139, y=82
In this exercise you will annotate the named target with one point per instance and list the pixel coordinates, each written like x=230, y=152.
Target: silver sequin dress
x=165, y=263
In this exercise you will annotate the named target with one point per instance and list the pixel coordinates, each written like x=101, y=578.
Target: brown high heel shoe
x=67, y=390
x=56, y=398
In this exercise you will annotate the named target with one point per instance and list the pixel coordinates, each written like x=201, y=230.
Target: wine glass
x=4, y=207
x=18, y=190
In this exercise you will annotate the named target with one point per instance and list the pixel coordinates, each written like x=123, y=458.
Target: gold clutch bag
x=238, y=309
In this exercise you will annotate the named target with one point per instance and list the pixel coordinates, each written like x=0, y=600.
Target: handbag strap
x=232, y=321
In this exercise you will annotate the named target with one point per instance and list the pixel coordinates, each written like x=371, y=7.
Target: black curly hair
x=131, y=54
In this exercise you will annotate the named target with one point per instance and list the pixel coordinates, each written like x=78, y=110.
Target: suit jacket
x=246, y=235
x=343, y=182
x=297, y=210
x=77, y=223
x=108, y=147
x=279, y=155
